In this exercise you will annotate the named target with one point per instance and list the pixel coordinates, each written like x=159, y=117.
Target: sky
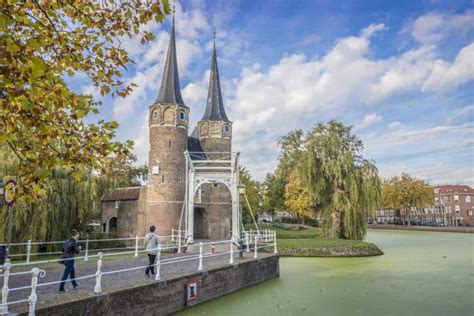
x=400, y=72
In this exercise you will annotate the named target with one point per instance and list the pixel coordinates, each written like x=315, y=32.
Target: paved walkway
x=49, y=295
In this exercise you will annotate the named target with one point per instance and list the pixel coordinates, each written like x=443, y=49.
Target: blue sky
x=400, y=72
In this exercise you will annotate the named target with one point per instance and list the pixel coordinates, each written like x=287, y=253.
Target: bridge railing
x=262, y=235
x=87, y=245
x=37, y=273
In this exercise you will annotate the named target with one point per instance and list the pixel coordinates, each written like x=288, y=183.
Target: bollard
x=247, y=242
x=86, y=256
x=179, y=242
x=136, y=246
x=213, y=247
x=275, y=242
x=255, y=248
x=158, y=264
x=5, y=289
x=98, y=275
x=231, y=259
x=28, y=252
x=34, y=282
x=200, y=256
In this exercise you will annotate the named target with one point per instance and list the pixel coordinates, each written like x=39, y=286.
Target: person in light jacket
x=151, y=245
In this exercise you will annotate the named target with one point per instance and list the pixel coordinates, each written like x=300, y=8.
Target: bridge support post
x=231, y=259
x=136, y=246
x=98, y=275
x=255, y=248
x=200, y=257
x=28, y=251
x=158, y=264
x=5, y=289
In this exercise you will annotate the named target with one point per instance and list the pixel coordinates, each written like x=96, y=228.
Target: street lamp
x=241, y=188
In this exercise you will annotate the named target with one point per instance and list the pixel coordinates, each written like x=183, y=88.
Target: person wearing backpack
x=151, y=245
x=70, y=249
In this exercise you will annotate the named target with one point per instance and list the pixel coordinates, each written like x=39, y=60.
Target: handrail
x=35, y=272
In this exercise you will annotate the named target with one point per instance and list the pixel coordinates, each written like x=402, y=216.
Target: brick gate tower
x=168, y=130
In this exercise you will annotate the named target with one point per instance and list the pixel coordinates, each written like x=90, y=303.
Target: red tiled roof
x=454, y=189
x=122, y=194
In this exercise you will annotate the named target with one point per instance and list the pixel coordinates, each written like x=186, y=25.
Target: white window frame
x=182, y=115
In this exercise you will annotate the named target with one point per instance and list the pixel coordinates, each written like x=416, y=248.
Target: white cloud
x=445, y=76
x=369, y=120
x=465, y=113
x=435, y=27
x=435, y=153
x=372, y=29
x=394, y=125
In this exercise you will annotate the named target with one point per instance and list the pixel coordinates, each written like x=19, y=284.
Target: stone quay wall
x=169, y=296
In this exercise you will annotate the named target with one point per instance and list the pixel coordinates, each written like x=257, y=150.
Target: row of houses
x=453, y=205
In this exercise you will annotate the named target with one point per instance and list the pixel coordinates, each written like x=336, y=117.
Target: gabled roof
x=215, y=105
x=122, y=194
x=170, y=91
x=443, y=189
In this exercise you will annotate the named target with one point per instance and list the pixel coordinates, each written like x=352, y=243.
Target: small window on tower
x=155, y=114
x=182, y=115
x=169, y=143
x=163, y=179
x=226, y=128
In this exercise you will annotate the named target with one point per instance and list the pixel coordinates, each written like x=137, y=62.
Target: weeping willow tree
x=342, y=185
x=68, y=202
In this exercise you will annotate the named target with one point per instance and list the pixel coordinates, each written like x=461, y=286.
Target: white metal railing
x=134, y=243
x=36, y=272
x=262, y=235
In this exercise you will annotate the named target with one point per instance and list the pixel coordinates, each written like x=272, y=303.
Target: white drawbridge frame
x=203, y=170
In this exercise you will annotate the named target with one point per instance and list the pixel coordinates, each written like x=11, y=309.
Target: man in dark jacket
x=70, y=250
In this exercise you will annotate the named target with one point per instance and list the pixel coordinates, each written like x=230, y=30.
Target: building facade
x=161, y=201
x=453, y=205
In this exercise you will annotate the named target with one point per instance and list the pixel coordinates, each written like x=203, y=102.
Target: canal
x=421, y=273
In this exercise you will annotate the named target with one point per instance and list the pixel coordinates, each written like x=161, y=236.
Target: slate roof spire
x=215, y=106
x=170, y=91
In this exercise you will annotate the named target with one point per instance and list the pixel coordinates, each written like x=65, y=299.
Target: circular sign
x=10, y=192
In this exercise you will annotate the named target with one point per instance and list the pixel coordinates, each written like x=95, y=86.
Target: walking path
x=49, y=295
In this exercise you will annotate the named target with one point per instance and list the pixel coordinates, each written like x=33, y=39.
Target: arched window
x=182, y=115
x=155, y=114
x=226, y=128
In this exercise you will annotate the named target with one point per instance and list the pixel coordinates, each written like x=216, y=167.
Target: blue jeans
x=70, y=272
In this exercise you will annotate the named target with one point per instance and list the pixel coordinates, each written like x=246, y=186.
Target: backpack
x=64, y=256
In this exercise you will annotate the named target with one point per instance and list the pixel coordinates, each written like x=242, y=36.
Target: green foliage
x=252, y=191
x=297, y=196
x=342, y=185
x=404, y=192
x=274, y=193
x=41, y=117
x=68, y=202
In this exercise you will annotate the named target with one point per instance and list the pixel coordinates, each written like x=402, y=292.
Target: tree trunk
x=335, y=224
x=303, y=220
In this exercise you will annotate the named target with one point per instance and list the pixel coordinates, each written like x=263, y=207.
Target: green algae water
x=421, y=273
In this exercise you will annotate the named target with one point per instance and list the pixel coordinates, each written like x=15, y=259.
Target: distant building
x=453, y=205
x=457, y=200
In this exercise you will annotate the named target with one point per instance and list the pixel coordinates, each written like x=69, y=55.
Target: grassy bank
x=311, y=243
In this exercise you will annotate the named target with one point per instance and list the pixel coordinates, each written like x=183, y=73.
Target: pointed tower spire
x=215, y=106
x=170, y=91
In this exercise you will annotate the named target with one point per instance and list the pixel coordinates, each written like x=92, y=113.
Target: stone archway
x=113, y=224
x=201, y=223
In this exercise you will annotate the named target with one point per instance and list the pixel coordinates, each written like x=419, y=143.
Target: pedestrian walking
x=70, y=249
x=151, y=245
